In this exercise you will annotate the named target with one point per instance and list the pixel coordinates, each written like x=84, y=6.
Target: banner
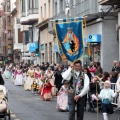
x=70, y=38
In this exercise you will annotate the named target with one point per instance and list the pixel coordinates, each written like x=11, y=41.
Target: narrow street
x=26, y=106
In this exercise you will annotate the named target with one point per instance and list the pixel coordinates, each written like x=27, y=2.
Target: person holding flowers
x=46, y=91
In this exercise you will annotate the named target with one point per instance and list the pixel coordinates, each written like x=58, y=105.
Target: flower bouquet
x=43, y=79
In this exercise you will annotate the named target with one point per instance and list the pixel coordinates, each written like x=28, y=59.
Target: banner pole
x=97, y=100
x=67, y=18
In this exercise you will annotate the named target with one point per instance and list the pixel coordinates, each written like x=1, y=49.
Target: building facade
x=99, y=22
x=46, y=40
x=28, y=19
x=17, y=34
x=116, y=8
x=7, y=34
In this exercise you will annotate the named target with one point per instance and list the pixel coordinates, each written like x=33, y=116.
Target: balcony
x=10, y=38
x=18, y=46
x=30, y=17
x=109, y=2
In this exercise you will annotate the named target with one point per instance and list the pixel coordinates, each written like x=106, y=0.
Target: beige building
x=17, y=34
x=46, y=39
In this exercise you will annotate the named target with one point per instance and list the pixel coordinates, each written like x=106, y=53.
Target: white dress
x=7, y=73
x=19, y=78
x=29, y=80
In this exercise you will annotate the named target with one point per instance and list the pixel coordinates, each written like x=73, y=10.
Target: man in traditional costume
x=77, y=89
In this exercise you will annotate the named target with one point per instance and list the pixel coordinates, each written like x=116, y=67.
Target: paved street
x=26, y=106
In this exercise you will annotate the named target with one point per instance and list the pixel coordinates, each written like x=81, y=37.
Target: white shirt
x=67, y=76
x=107, y=94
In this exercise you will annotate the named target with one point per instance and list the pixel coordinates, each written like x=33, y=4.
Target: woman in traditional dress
x=29, y=80
x=37, y=82
x=18, y=76
x=46, y=93
x=62, y=97
x=49, y=74
x=7, y=72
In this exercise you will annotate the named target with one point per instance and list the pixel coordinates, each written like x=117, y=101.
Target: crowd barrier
x=115, y=100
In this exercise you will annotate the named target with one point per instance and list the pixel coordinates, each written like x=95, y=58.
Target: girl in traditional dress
x=7, y=72
x=62, y=97
x=29, y=80
x=18, y=77
x=37, y=73
x=42, y=80
x=46, y=93
x=36, y=83
x=49, y=74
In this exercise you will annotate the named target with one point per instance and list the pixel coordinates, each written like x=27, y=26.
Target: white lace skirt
x=19, y=80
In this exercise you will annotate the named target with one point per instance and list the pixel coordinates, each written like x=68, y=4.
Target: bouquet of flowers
x=43, y=79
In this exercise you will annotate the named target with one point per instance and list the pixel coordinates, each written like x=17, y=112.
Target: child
x=106, y=95
x=94, y=88
x=62, y=98
x=46, y=92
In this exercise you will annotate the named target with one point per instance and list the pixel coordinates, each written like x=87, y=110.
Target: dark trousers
x=80, y=107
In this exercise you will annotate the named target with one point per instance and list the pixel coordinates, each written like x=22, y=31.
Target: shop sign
x=33, y=46
x=94, y=38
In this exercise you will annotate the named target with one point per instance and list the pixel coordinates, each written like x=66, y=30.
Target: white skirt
x=7, y=74
x=18, y=80
x=119, y=101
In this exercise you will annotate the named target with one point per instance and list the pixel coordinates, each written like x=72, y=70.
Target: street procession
x=60, y=59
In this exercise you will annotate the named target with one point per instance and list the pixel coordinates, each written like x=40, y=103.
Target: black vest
x=76, y=84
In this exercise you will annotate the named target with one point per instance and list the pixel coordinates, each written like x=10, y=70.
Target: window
x=9, y=33
x=61, y=5
x=55, y=8
x=8, y=20
x=49, y=7
x=23, y=5
x=41, y=14
x=4, y=8
x=8, y=6
x=31, y=4
x=35, y=3
x=44, y=10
